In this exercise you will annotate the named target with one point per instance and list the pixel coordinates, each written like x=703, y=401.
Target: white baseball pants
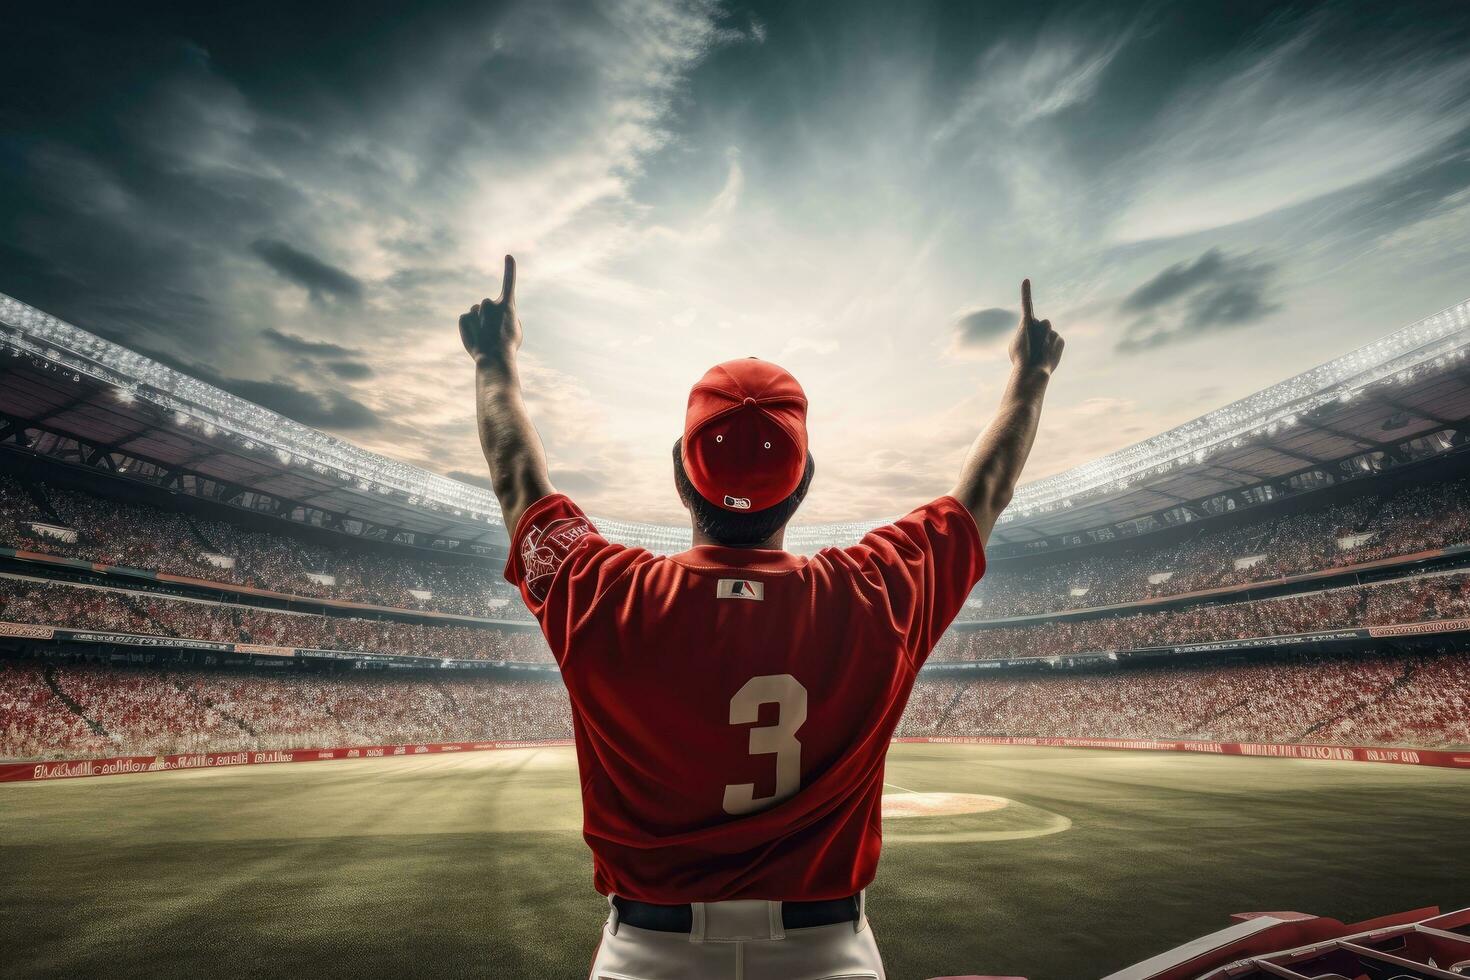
x=742, y=940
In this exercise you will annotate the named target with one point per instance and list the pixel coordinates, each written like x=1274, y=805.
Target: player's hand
x=491, y=328
x=1036, y=346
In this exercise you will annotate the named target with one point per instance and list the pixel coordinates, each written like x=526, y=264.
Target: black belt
x=680, y=918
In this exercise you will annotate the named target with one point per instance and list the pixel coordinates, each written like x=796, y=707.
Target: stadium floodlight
x=1428, y=344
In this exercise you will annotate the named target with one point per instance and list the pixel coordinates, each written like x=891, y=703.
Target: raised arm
x=491, y=332
x=995, y=461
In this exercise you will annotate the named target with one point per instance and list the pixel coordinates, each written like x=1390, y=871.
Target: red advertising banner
x=1271, y=750
x=121, y=765
x=11, y=772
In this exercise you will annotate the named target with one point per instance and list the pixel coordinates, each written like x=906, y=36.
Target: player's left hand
x=491, y=328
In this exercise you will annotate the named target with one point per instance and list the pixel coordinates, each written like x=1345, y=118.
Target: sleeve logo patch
x=740, y=588
x=544, y=549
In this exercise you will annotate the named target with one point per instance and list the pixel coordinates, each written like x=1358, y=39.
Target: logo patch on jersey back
x=740, y=588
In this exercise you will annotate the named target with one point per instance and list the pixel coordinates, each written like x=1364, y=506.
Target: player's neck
x=776, y=542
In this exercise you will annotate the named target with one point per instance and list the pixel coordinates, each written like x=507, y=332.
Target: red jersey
x=733, y=706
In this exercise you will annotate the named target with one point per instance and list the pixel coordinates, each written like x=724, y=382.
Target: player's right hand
x=491, y=328
x=1036, y=346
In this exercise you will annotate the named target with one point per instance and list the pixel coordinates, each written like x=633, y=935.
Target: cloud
x=301, y=346
x=349, y=370
x=1018, y=83
x=320, y=355
x=1280, y=124
x=320, y=279
x=984, y=328
x=1211, y=293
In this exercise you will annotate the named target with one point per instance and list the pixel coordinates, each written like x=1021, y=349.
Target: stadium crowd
x=142, y=536
x=24, y=600
x=1400, y=601
x=1413, y=519
x=1430, y=597
x=1368, y=527
x=65, y=711
x=147, y=711
x=35, y=723
x=1341, y=699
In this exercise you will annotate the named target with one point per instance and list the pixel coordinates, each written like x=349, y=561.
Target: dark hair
x=738, y=529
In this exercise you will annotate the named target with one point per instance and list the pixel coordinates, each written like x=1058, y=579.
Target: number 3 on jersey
x=779, y=739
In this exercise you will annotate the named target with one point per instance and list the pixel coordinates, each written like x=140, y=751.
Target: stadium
x=1223, y=670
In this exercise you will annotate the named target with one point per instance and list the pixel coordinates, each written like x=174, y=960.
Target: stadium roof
x=69, y=381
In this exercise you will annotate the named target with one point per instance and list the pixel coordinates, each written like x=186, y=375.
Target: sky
x=296, y=202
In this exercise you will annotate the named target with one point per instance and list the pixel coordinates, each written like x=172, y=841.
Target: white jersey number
x=790, y=697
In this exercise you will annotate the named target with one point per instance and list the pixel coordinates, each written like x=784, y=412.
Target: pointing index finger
x=1026, y=312
x=508, y=281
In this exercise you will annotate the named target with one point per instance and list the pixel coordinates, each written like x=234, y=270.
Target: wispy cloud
x=1280, y=123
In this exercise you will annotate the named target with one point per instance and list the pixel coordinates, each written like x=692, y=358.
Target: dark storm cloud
x=349, y=370
x=980, y=328
x=1214, y=292
x=293, y=344
x=320, y=279
x=313, y=355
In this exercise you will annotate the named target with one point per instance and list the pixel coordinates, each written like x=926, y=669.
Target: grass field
x=473, y=864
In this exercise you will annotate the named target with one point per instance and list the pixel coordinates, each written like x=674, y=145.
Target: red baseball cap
x=744, y=445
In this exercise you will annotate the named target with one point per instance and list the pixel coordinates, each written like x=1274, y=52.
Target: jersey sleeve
x=563, y=567
x=920, y=569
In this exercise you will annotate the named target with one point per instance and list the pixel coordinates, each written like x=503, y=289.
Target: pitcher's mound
x=897, y=806
x=956, y=818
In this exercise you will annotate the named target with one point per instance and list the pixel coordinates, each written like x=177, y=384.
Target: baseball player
x=733, y=704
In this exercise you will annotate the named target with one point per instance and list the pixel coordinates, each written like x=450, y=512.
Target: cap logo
x=739, y=503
